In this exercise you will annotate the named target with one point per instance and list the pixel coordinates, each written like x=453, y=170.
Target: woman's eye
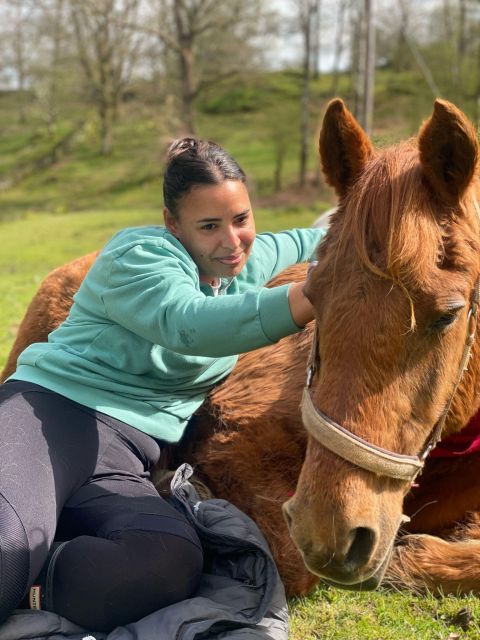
x=208, y=227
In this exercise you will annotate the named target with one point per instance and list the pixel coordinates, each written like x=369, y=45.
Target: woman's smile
x=234, y=259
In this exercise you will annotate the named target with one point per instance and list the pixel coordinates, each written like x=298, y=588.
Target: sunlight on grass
x=332, y=614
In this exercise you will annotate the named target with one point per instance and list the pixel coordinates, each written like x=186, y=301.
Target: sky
x=286, y=50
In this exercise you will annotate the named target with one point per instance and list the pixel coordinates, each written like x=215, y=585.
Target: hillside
x=254, y=118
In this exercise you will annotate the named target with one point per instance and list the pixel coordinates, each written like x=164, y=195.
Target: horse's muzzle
x=353, y=559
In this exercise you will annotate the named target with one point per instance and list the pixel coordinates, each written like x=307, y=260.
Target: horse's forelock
x=393, y=219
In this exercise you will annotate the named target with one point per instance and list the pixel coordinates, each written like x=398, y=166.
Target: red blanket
x=463, y=443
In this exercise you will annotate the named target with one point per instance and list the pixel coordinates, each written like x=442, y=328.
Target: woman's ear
x=170, y=221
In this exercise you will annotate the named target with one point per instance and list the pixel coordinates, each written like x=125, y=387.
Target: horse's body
x=404, y=243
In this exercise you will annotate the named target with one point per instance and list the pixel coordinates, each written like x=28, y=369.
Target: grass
x=331, y=614
x=252, y=118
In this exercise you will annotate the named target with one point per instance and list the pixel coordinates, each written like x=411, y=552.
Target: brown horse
x=392, y=293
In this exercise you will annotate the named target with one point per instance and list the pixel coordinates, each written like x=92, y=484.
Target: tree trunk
x=20, y=65
x=305, y=103
x=185, y=61
x=461, y=43
x=106, y=120
x=477, y=91
x=368, y=94
x=342, y=6
x=402, y=37
x=187, y=90
x=450, y=37
x=357, y=67
x=316, y=48
x=53, y=83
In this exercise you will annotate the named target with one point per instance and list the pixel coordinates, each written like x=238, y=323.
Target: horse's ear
x=448, y=151
x=344, y=147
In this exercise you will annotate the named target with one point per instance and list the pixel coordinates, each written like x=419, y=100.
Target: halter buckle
x=310, y=372
x=471, y=324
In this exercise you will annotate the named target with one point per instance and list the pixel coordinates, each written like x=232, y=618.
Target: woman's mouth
x=231, y=260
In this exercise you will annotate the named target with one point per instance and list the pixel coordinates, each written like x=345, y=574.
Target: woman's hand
x=300, y=307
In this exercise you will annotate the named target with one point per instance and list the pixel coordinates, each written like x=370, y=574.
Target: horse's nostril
x=361, y=547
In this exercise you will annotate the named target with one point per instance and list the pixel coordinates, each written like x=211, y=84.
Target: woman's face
x=215, y=225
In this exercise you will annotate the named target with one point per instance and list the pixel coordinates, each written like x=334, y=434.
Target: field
x=54, y=215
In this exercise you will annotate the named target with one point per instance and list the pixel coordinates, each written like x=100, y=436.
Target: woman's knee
x=169, y=564
x=126, y=577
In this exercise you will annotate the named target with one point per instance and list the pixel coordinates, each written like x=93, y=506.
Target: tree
x=107, y=53
x=204, y=42
x=316, y=39
x=339, y=43
x=19, y=43
x=363, y=61
x=368, y=94
x=356, y=57
x=308, y=10
x=48, y=69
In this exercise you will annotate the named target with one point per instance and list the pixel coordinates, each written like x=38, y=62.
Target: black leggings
x=71, y=473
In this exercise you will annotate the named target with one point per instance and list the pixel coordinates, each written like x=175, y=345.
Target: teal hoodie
x=145, y=341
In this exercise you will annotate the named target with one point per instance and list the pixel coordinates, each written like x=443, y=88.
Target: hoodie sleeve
x=274, y=252
x=151, y=293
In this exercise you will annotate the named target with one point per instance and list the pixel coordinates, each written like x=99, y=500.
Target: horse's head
x=392, y=293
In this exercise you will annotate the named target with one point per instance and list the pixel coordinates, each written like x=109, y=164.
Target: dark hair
x=192, y=162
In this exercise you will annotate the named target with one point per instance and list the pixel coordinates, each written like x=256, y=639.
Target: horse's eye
x=445, y=320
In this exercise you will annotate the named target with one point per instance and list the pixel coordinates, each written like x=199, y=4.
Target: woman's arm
x=152, y=294
x=274, y=252
x=300, y=307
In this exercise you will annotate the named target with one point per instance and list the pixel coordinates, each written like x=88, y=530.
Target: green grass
x=34, y=245
x=249, y=116
x=331, y=614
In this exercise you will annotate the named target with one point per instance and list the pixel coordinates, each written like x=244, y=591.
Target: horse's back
x=49, y=307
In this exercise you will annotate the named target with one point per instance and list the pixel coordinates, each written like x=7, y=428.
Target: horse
x=336, y=466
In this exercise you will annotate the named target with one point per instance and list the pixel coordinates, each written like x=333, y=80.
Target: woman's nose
x=231, y=239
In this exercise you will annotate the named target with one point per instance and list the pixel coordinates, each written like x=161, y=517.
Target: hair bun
x=180, y=146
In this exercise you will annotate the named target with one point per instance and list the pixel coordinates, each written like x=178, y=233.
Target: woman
x=157, y=322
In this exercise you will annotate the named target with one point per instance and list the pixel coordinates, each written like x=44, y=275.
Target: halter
x=362, y=453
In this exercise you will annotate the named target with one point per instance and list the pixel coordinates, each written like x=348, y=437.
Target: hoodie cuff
x=274, y=311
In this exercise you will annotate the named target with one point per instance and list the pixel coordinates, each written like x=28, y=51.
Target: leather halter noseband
x=361, y=452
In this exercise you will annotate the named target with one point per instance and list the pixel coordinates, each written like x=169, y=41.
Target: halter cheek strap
x=354, y=449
